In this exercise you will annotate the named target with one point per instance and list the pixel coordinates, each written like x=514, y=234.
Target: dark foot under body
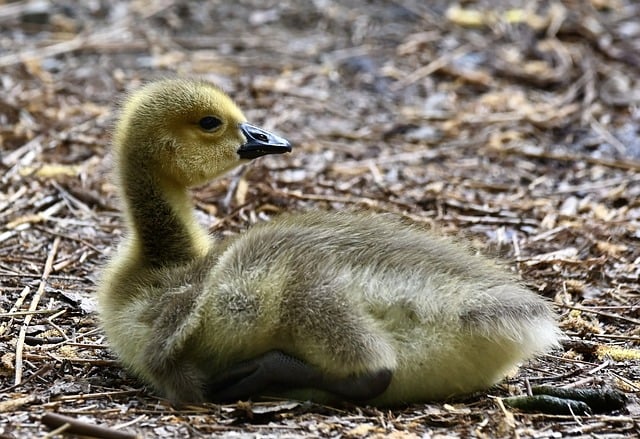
x=277, y=370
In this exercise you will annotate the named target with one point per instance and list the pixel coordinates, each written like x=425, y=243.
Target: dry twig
x=32, y=307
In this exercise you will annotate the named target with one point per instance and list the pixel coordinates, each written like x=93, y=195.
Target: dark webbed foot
x=250, y=377
x=358, y=388
x=277, y=370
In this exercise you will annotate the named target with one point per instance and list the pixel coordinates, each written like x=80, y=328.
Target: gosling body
x=357, y=300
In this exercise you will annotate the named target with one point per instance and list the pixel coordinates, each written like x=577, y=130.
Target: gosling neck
x=164, y=230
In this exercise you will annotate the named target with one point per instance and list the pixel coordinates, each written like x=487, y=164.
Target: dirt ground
x=515, y=124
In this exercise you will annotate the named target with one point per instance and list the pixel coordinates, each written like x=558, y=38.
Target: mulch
x=514, y=125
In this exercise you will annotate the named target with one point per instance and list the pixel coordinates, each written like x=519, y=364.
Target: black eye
x=209, y=123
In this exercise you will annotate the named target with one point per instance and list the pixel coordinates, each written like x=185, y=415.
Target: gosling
x=321, y=305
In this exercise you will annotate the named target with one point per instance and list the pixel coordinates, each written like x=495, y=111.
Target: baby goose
x=326, y=306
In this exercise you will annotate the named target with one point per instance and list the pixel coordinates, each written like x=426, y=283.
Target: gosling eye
x=209, y=123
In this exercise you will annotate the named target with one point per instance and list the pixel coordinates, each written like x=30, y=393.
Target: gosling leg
x=277, y=370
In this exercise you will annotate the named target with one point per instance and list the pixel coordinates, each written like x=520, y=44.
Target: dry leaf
x=466, y=17
x=611, y=249
x=362, y=430
x=52, y=170
x=617, y=353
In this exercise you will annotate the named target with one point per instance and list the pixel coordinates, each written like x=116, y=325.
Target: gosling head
x=188, y=132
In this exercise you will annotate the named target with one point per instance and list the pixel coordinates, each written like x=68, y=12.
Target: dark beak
x=261, y=142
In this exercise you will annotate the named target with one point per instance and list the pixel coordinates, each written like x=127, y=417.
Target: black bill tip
x=261, y=142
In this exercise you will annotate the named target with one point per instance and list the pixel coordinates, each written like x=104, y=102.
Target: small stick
x=616, y=337
x=48, y=266
x=430, y=68
x=86, y=396
x=233, y=187
x=46, y=368
x=81, y=41
x=14, y=404
x=610, y=138
x=57, y=431
x=508, y=416
x=528, y=385
x=604, y=314
x=25, y=292
x=28, y=313
x=629, y=383
x=630, y=165
x=75, y=426
x=328, y=198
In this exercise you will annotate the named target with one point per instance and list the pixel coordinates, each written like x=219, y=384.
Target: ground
x=512, y=124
